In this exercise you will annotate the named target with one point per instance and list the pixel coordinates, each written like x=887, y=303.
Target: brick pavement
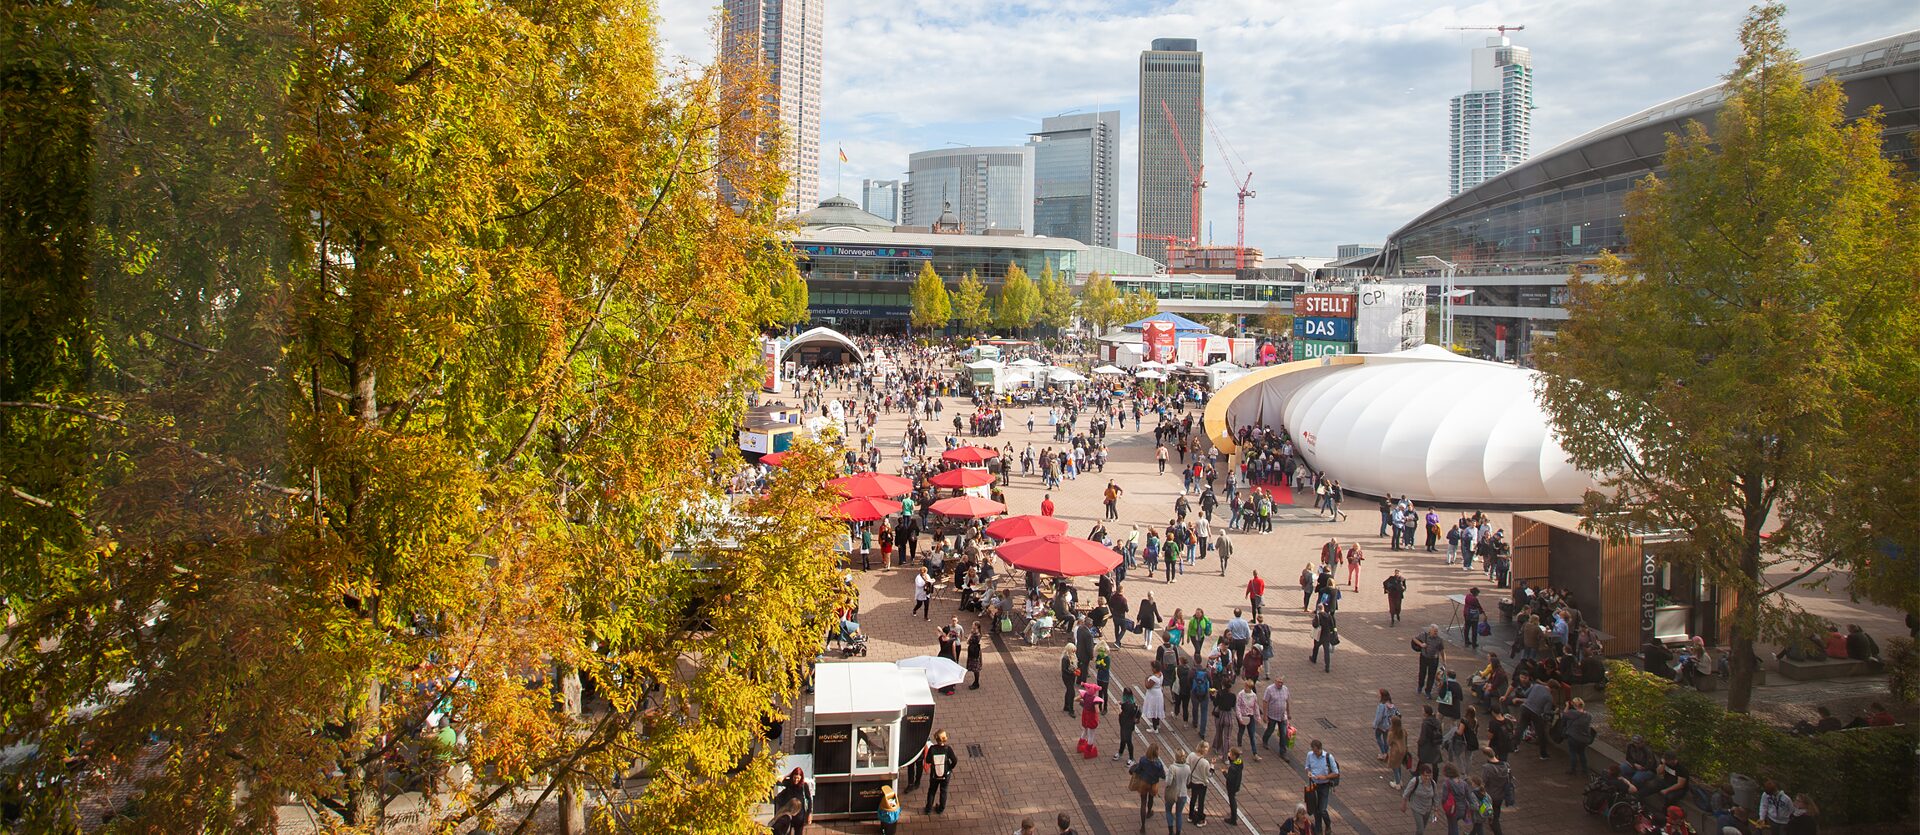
x=1025, y=762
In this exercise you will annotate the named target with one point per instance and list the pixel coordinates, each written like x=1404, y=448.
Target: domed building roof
x=838, y=212
x=1424, y=423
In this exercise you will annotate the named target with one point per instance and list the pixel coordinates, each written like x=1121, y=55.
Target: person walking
x=1199, y=628
x=1117, y=613
x=1432, y=649
x=1383, y=715
x=1535, y=701
x=940, y=766
x=1580, y=734
x=1147, y=620
x=1246, y=707
x=1234, y=772
x=1429, y=739
x=1396, y=589
x=1129, y=721
x=1069, y=680
x=922, y=595
x=1146, y=777
x=1472, y=614
x=1397, y=756
x=1256, y=587
x=1326, y=634
x=1354, y=557
x=1421, y=796
x=1306, y=587
x=886, y=545
x=1090, y=703
x=1323, y=773
x=1174, y=795
x=974, y=659
x=1222, y=545
x=1274, y=707
x=1496, y=777
x=1153, y=697
x=1112, y=500
x=1199, y=771
x=1225, y=698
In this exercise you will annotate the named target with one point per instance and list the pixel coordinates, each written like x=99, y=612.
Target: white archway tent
x=1424, y=422
x=823, y=336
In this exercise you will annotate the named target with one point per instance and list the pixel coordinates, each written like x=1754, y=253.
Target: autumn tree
x=1136, y=305
x=1057, y=304
x=1018, y=303
x=931, y=307
x=970, y=305
x=1276, y=321
x=1099, y=302
x=385, y=353
x=1727, y=374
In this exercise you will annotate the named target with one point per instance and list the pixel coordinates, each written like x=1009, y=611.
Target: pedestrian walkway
x=1017, y=744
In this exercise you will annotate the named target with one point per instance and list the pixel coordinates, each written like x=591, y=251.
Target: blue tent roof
x=1181, y=324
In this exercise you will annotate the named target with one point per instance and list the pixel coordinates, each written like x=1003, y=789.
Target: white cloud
x=1338, y=109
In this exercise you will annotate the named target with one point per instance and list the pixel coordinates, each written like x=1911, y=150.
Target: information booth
x=869, y=722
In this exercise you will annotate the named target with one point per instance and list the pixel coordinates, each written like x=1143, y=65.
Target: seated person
x=1640, y=762
x=1878, y=717
x=1694, y=662
x=1802, y=649
x=1618, y=781
x=1860, y=645
x=1038, y=626
x=1591, y=671
x=1836, y=643
x=1668, y=786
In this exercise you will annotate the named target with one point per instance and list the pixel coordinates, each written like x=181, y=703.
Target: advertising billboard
x=1337, y=305
x=770, y=363
x=1325, y=328
x=1160, y=342
x=1313, y=349
x=1392, y=317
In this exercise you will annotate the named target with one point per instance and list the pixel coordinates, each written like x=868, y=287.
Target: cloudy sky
x=1338, y=107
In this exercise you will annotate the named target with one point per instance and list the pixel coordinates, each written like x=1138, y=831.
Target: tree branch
x=1822, y=563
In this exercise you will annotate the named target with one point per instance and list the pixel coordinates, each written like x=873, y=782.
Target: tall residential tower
x=786, y=36
x=1493, y=121
x=987, y=188
x=1171, y=73
x=1075, y=193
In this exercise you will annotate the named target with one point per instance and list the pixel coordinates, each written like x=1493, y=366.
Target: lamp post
x=1446, y=295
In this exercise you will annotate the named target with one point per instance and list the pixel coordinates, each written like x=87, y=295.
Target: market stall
x=867, y=724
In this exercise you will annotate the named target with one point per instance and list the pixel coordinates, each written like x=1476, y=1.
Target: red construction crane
x=1193, y=239
x=1240, y=184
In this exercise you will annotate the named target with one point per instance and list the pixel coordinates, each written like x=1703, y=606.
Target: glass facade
x=1548, y=231
x=987, y=188
x=868, y=287
x=1245, y=291
x=1173, y=73
x=1074, y=192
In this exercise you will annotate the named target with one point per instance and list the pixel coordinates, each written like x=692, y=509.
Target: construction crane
x=1240, y=187
x=1502, y=29
x=1193, y=174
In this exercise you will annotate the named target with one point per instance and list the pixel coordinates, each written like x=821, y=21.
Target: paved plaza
x=1017, y=746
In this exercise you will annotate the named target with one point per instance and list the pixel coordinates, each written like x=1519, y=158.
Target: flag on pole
x=843, y=154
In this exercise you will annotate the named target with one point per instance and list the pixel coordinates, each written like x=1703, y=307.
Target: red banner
x=1337, y=305
x=1160, y=341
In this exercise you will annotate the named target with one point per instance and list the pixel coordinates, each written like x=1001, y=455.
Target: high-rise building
x=987, y=188
x=1492, y=122
x=1171, y=73
x=1075, y=193
x=1345, y=251
x=882, y=198
x=786, y=35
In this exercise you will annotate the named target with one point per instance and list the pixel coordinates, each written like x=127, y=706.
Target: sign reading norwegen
x=1325, y=328
x=1324, y=304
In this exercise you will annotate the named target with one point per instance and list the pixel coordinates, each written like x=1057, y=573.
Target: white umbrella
x=1109, y=369
x=941, y=672
x=1150, y=374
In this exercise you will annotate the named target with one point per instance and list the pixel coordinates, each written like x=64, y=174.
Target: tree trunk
x=573, y=806
x=366, y=782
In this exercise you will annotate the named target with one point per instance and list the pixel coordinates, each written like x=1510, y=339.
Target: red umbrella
x=866, y=510
x=962, y=478
x=1015, y=527
x=1066, y=556
x=872, y=486
x=774, y=459
x=970, y=454
x=969, y=507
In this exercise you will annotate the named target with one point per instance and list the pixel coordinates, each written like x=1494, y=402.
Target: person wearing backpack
x=1580, y=734
x=1421, y=796
x=1456, y=799
x=1497, y=777
x=1145, y=777
x=1383, y=714
x=1323, y=774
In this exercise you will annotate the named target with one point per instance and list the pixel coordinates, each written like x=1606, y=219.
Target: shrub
x=1848, y=772
x=1903, y=669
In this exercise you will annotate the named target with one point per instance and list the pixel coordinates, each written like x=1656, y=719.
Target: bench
x=1826, y=668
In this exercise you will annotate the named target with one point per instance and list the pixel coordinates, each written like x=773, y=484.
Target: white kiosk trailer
x=870, y=721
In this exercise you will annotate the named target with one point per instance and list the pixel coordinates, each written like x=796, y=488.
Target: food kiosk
x=868, y=723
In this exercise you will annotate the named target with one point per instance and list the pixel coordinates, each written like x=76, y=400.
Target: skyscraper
x=988, y=188
x=1074, y=171
x=1171, y=73
x=1492, y=122
x=881, y=197
x=786, y=36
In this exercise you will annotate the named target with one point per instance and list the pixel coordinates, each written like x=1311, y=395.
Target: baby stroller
x=848, y=640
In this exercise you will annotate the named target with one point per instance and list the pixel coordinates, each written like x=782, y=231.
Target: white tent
x=1396, y=423
x=983, y=364
x=1149, y=374
x=1028, y=362
x=1109, y=369
x=1065, y=375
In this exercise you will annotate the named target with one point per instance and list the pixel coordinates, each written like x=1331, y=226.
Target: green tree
x=1276, y=321
x=382, y=349
x=1018, y=303
x=970, y=305
x=792, y=300
x=931, y=306
x=1718, y=375
x=1099, y=302
x=1057, y=304
x=1136, y=305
